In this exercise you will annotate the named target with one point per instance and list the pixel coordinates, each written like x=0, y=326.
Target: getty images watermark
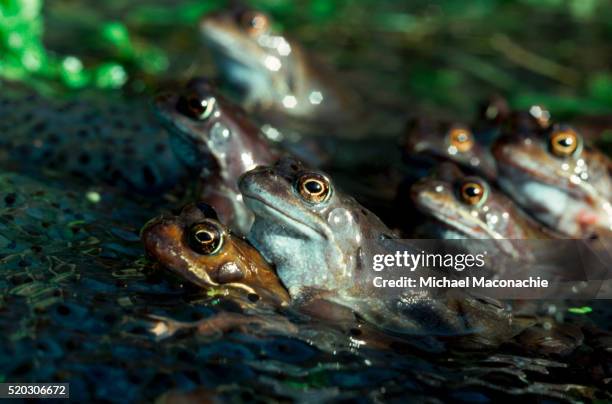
x=503, y=269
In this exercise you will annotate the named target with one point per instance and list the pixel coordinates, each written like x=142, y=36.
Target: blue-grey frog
x=276, y=78
x=216, y=140
x=321, y=242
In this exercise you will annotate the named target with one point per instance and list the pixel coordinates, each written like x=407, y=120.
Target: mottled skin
x=275, y=76
x=327, y=239
x=451, y=142
x=321, y=249
x=571, y=193
x=236, y=266
x=501, y=226
x=494, y=216
x=218, y=142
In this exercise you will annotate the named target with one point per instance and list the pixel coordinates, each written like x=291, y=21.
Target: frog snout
x=251, y=174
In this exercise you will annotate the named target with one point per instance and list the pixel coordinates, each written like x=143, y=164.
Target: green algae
x=450, y=49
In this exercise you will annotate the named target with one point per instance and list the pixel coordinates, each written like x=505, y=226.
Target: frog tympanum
x=199, y=248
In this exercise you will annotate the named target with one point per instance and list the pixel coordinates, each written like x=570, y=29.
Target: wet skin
x=236, y=270
x=324, y=229
x=274, y=75
x=468, y=207
x=558, y=179
x=495, y=115
x=196, y=246
x=450, y=142
x=320, y=239
x=468, y=147
x=218, y=142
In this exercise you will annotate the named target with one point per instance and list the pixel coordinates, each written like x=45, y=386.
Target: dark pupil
x=565, y=142
x=197, y=105
x=204, y=236
x=190, y=106
x=472, y=191
x=314, y=187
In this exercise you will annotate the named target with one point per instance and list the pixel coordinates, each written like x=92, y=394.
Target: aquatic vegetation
x=25, y=57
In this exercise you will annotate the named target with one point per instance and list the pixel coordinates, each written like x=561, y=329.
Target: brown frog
x=468, y=206
x=558, y=179
x=196, y=246
x=451, y=142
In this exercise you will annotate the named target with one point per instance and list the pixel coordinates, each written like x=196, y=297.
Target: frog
x=469, y=207
x=477, y=217
x=469, y=146
x=472, y=215
x=449, y=142
x=196, y=246
x=321, y=241
x=495, y=115
x=215, y=140
x=292, y=92
x=559, y=179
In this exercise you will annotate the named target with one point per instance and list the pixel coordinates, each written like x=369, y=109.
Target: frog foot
x=163, y=327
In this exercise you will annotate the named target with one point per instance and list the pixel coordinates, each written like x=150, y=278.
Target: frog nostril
x=253, y=297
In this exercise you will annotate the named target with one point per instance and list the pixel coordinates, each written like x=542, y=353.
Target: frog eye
x=564, y=143
x=314, y=188
x=461, y=139
x=254, y=22
x=206, y=238
x=196, y=107
x=473, y=193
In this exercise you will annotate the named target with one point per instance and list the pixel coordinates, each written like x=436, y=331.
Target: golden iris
x=473, y=193
x=462, y=139
x=206, y=238
x=314, y=188
x=564, y=143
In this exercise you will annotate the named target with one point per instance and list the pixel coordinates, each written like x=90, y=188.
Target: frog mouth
x=275, y=213
x=456, y=220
